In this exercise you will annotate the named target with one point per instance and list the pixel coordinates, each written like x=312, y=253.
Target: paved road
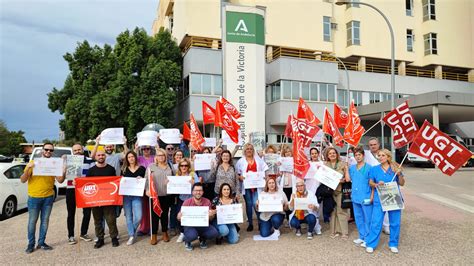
x=432, y=233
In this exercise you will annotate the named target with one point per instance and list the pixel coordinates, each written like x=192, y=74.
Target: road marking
x=448, y=186
x=468, y=197
x=448, y=202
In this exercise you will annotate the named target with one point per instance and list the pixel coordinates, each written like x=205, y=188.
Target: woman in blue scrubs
x=379, y=175
x=361, y=195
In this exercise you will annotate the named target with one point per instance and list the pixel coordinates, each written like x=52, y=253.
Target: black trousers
x=288, y=191
x=71, y=214
x=109, y=213
x=165, y=203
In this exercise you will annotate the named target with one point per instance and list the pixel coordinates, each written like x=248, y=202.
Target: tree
x=129, y=85
x=10, y=141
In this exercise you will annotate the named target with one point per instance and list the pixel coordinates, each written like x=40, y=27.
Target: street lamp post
x=392, y=60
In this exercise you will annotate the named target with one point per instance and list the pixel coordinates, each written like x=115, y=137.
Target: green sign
x=245, y=28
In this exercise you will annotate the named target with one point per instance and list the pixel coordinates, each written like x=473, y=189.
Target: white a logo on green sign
x=241, y=26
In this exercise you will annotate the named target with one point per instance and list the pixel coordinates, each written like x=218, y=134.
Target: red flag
x=208, y=113
x=340, y=117
x=354, y=130
x=230, y=108
x=196, y=138
x=434, y=145
x=304, y=111
x=302, y=134
x=403, y=125
x=186, y=132
x=227, y=122
x=329, y=127
x=97, y=191
x=154, y=195
x=288, y=127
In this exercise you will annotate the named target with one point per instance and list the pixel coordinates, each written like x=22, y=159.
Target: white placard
x=170, y=136
x=313, y=168
x=74, y=164
x=210, y=142
x=270, y=202
x=179, y=185
x=258, y=140
x=203, y=161
x=111, y=136
x=286, y=164
x=195, y=216
x=230, y=214
x=328, y=176
x=254, y=179
x=48, y=167
x=147, y=138
x=132, y=186
x=272, y=159
x=390, y=197
x=301, y=203
x=227, y=141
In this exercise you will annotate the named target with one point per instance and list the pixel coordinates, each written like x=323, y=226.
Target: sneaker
x=188, y=246
x=115, y=242
x=130, y=241
x=386, y=230
x=203, y=244
x=85, y=238
x=276, y=232
x=394, y=250
x=71, y=241
x=363, y=245
x=298, y=232
x=30, y=249
x=318, y=231
x=99, y=243
x=358, y=241
x=180, y=238
x=310, y=236
x=369, y=250
x=44, y=246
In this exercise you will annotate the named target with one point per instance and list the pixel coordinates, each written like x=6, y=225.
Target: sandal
x=345, y=237
x=334, y=235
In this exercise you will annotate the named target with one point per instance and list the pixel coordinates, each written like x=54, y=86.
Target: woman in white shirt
x=271, y=221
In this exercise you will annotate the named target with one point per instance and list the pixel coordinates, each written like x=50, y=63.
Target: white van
x=58, y=153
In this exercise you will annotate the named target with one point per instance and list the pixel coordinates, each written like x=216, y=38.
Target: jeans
x=274, y=222
x=174, y=213
x=309, y=219
x=37, y=206
x=71, y=214
x=227, y=230
x=250, y=203
x=204, y=233
x=132, y=206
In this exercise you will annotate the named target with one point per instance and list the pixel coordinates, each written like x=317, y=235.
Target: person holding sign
x=132, y=205
x=272, y=220
x=380, y=174
x=250, y=163
x=207, y=179
x=159, y=171
x=203, y=233
x=184, y=169
x=224, y=172
x=362, y=195
x=229, y=231
x=339, y=217
x=40, y=200
x=304, y=206
x=112, y=158
x=145, y=160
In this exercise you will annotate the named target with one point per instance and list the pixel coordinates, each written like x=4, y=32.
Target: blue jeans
x=274, y=222
x=309, y=219
x=362, y=216
x=227, y=230
x=250, y=203
x=204, y=233
x=132, y=206
x=173, y=215
x=37, y=206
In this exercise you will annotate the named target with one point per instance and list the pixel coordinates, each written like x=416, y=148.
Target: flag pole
x=203, y=129
x=372, y=126
x=150, y=205
x=400, y=166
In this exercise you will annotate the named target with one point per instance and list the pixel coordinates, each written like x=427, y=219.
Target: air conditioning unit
x=334, y=26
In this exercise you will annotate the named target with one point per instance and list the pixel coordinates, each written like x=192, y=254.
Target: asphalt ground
x=432, y=232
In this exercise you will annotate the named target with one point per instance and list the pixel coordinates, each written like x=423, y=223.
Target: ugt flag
x=97, y=191
x=403, y=124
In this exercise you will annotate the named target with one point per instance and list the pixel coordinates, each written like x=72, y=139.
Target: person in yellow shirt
x=40, y=200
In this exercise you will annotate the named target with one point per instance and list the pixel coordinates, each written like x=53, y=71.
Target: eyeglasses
x=146, y=149
x=48, y=150
x=169, y=149
x=193, y=151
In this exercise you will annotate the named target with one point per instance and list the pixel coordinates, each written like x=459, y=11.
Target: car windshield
x=56, y=154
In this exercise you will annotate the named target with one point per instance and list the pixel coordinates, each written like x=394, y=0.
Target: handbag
x=346, y=201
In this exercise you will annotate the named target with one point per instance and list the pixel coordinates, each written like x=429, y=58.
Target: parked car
x=58, y=153
x=13, y=193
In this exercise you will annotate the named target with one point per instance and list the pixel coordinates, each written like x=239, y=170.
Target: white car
x=13, y=193
x=58, y=153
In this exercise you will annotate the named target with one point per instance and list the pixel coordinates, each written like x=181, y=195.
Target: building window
x=313, y=92
x=409, y=7
x=354, y=5
x=171, y=23
x=357, y=96
x=342, y=98
x=327, y=29
x=431, y=44
x=410, y=40
x=206, y=84
x=353, y=33
x=295, y=90
x=268, y=94
x=305, y=91
x=429, y=12
x=286, y=87
x=374, y=97
x=276, y=92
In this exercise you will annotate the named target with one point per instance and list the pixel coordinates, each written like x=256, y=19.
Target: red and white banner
x=154, y=195
x=434, y=145
x=354, y=130
x=97, y=191
x=330, y=127
x=403, y=124
x=186, y=132
x=196, y=137
x=230, y=108
x=227, y=122
x=304, y=112
x=208, y=113
x=302, y=134
x=288, y=127
x=340, y=117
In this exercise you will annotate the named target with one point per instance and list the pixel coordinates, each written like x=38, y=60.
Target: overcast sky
x=34, y=36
